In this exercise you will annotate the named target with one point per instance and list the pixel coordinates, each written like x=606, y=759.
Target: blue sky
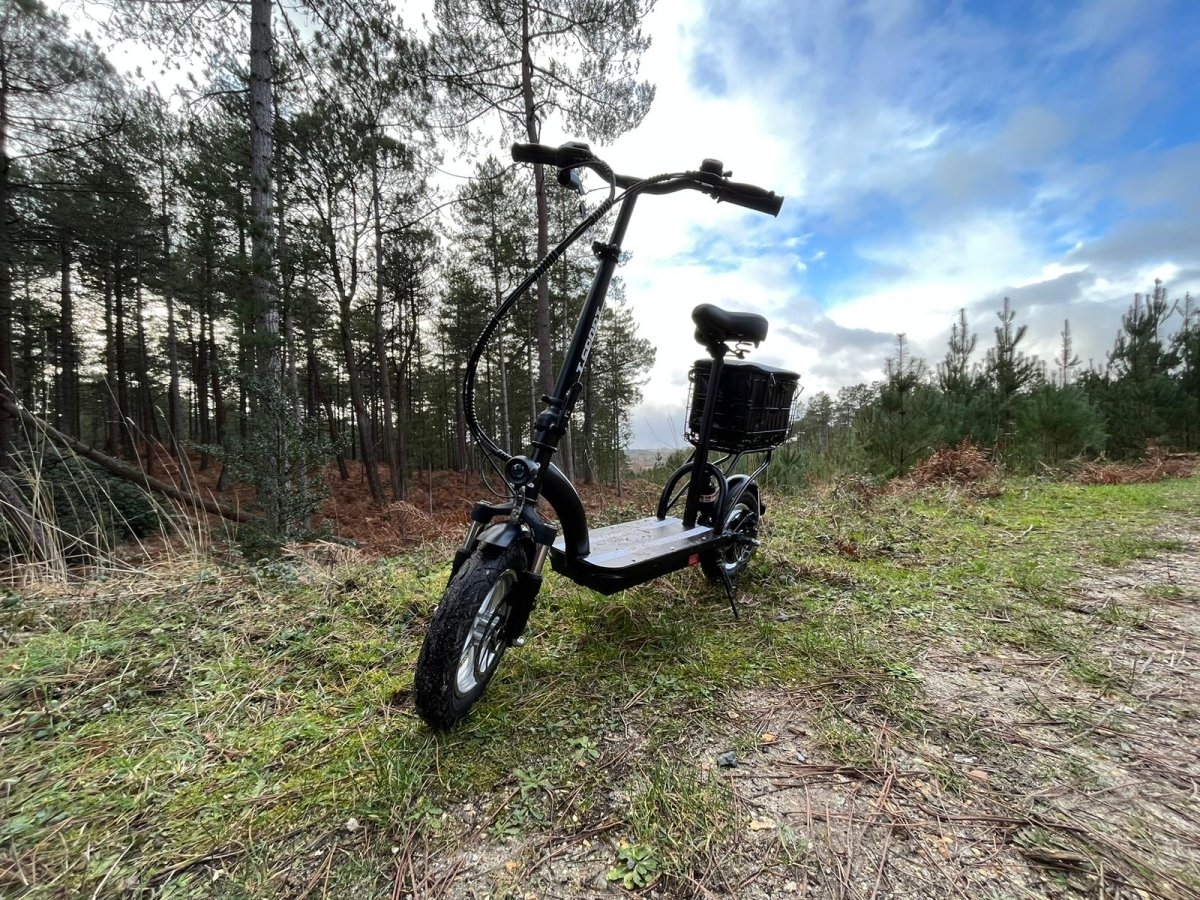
x=935, y=156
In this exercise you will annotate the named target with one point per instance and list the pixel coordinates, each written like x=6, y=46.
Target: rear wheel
x=742, y=524
x=468, y=635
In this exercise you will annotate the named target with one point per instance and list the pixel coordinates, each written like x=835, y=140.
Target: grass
x=204, y=728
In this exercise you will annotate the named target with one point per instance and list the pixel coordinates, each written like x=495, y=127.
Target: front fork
x=536, y=542
x=525, y=597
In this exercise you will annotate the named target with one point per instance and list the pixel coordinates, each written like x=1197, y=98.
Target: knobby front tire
x=467, y=635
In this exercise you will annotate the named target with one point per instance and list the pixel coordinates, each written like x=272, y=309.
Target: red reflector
x=694, y=559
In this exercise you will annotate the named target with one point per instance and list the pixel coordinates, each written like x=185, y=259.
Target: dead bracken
x=964, y=464
x=1156, y=466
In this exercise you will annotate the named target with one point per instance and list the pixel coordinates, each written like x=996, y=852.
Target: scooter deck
x=630, y=553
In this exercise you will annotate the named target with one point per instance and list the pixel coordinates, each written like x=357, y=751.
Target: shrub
x=81, y=510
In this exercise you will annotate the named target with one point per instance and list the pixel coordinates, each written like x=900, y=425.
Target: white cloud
x=949, y=123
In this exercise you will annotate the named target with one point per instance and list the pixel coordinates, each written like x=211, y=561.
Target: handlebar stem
x=552, y=423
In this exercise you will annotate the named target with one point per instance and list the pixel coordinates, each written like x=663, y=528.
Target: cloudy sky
x=934, y=156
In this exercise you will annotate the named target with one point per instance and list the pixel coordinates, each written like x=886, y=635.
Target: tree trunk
x=218, y=397
x=390, y=456
x=174, y=409
x=402, y=425
x=149, y=423
x=6, y=360
x=243, y=400
x=568, y=445
x=201, y=380
x=504, y=417
x=112, y=434
x=130, y=444
x=314, y=368
x=360, y=408
x=532, y=132
x=263, y=272
x=27, y=384
x=283, y=283
x=589, y=446
x=460, y=462
x=69, y=411
x=533, y=411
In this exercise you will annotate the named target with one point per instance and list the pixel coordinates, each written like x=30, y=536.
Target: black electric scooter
x=736, y=407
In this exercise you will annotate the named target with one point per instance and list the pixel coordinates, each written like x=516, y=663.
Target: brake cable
x=494, y=451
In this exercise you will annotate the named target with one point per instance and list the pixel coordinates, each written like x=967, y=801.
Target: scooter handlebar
x=575, y=154
x=750, y=196
x=535, y=153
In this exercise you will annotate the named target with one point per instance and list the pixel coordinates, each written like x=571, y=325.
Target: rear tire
x=744, y=520
x=468, y=635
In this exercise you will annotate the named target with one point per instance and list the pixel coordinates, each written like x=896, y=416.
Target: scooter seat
x=716, y=325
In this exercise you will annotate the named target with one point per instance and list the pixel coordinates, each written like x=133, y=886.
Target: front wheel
x=468, y=635
x=742, y=524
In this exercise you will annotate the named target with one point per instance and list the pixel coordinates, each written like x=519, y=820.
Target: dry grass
x=49, y=551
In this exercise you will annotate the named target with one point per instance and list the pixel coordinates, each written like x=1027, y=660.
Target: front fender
x=502, y=535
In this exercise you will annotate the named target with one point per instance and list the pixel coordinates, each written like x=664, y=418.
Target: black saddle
x=715, y=325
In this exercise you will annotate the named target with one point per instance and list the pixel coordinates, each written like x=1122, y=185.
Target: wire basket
x=755, y=405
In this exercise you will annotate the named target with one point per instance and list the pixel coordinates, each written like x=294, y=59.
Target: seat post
x=699, y=477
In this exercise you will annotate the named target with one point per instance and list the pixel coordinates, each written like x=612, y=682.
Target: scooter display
x=736, y=407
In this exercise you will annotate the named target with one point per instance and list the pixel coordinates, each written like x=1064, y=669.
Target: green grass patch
x=232, y=724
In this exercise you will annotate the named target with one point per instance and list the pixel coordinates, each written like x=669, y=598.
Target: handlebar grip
x=750, y=196
x=535, y=153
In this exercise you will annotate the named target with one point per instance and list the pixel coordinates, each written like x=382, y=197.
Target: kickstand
x=729, y=593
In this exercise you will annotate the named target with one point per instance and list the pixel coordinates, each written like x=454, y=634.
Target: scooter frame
x=535, y=476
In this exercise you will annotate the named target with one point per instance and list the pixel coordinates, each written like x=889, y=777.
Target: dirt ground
x=1064, y=784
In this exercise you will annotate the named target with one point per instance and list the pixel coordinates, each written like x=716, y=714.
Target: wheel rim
x=742, y=525
x=485, y=641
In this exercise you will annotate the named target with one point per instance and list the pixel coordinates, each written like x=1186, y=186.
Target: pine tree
x=377, y=69
x=494, y=219
x=1185, y=346
x=618, y=368
x=965, y=395
x=1140, y=394
x=54, y=99
x=1056, y=423
x=525, y=60
x=1009, y=372
x=814, y=430
x=904, y=422
x=1067, y=359
x=954, y=372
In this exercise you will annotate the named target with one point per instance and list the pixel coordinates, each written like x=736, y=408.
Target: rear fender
x=739, y=485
